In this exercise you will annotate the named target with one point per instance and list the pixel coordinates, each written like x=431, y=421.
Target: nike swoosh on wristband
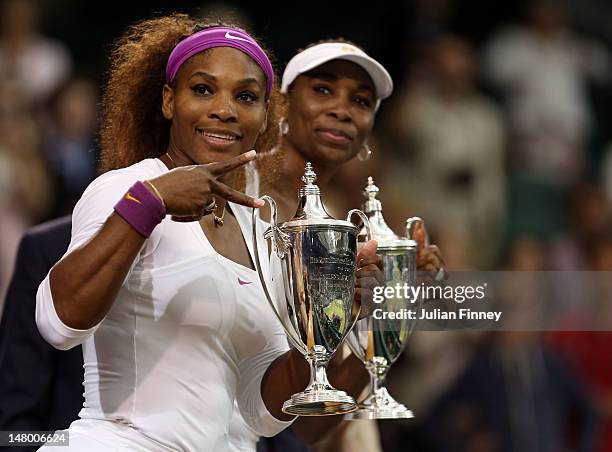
x=238, y=38
x=129, y=197
x=244, y=283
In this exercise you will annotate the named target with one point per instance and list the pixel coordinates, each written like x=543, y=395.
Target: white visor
x=322, y=53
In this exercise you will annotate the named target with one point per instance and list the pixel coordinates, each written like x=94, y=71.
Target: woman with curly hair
x=158, y=283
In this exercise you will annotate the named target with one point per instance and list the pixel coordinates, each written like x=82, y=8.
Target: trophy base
x=398, y=412
x=325, y=402
x=380, y=406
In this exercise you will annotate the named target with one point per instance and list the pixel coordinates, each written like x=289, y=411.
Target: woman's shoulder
x=107, y=188
x=145, y=169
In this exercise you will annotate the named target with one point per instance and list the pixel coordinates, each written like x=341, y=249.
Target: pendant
x=218, y=220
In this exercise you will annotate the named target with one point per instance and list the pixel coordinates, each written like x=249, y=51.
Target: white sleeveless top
x=188, y=335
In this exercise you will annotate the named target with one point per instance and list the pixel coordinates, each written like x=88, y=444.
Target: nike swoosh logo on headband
x=238, y=38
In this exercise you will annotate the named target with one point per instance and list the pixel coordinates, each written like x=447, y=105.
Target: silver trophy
x=379, y=339
x=317, y=255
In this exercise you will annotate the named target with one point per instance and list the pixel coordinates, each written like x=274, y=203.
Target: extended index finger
x=235, y=196
x=219, y=168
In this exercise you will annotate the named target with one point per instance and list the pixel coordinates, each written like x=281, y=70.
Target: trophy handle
x=441, y=275
x=280, y=244
x=364, y=218
x=366, y=224
x=361, y=340
x=410, y=227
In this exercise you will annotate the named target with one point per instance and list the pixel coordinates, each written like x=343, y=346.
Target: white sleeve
x=89, y=215
x=251, y=372
x=52, y=329
x=98, y=202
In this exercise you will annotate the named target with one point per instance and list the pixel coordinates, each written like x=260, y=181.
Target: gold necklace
x=171, y=159
x=219, y=220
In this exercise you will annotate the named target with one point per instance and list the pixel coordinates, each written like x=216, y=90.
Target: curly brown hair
x=133, y=127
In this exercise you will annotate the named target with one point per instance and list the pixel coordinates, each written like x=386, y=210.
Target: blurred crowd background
x=498, y=134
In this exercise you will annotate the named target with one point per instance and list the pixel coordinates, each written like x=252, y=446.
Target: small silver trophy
x=379, y=339
x=318, y=260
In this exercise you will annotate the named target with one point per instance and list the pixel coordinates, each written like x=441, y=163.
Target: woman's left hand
x=369, y=275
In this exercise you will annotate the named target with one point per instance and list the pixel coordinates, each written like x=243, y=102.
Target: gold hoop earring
x=365, y=153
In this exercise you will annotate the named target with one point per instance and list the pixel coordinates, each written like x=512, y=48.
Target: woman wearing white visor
x=332, y=91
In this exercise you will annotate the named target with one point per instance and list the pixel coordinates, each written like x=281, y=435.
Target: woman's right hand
x=188, y=190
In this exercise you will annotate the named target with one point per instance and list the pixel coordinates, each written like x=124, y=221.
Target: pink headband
x=219, y=37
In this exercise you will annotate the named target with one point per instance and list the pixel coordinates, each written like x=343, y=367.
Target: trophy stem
x=379, y=404
x=319, y=398
x=378, y=375
x=318, y=376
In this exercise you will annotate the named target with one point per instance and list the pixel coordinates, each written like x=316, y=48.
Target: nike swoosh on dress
x=243, y=283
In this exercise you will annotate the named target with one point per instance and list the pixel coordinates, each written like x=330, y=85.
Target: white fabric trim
x=52, y=329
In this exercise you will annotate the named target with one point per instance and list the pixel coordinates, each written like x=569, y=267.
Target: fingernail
x=250, y=154
x=259, y=203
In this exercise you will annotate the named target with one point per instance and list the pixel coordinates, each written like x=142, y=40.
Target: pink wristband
x=141, y=209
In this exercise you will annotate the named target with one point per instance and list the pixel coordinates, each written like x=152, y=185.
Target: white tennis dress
x=188, y=335
x=242, y=438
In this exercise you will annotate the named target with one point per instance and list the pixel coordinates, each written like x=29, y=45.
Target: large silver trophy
x=379, y=339
x=317, y=255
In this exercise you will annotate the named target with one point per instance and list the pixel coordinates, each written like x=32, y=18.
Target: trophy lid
x=311, y=211
x=386, y=238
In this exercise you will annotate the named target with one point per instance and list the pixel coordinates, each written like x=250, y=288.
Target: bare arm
x=84, y=283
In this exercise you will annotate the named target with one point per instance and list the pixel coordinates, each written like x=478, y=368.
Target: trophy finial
x=372, y=204
x=309, y=176
x=371, y=190
x=310, y=188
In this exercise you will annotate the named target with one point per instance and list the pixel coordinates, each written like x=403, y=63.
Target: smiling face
x=331, y=112
x=217, y=106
